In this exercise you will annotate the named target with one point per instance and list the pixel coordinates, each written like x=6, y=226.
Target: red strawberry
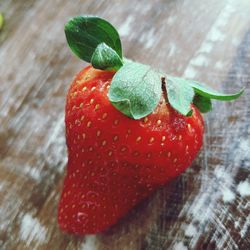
x=129, y=129
x=114, y=161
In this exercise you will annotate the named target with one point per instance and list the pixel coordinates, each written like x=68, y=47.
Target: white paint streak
x=33, y=172
x=237, y=224
x=2, y=186
x=89, y=244
x=226, y=182
x=179, y=246
x=56, y=129
x=244, y=188
x=148, y=39
x=206, y=47
x=214, y=35
x=221, y=174
x=172, y=49
x=224, y=18
x=242, y=152
x=10, y=204
x=125, y=29
x=32, y=230
x=245, y=227
x=200, y=60
x=56, y=145
x=227, y=195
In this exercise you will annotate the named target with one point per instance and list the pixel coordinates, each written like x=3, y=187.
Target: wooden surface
x=208, y=206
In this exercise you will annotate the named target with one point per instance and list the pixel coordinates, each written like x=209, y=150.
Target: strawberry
x=129, y=129
x=114, y=161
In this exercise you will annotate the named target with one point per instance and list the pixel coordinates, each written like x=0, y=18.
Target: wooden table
x=208, y=206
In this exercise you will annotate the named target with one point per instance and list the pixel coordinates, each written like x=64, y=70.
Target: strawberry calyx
x=136, y=88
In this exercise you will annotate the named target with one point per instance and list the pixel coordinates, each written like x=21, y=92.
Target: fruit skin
x=114, y=161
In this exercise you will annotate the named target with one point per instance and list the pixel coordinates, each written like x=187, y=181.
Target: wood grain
x=207, y=207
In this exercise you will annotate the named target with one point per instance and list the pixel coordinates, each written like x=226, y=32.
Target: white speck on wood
x=90, y=243
x=216, y=35
x=148, y=39
x=200, y=60
x=32, y=230
x=190, y=230
x=244, y=188
x=33, y=172
x=243, y=150
x=206, y=47
x=236, y=41
x=236, y=224
x=219, y=65
x=125, y=29
x=2, y=186
x=172, y=49
x=171, y=20
x=190, y=72
x=227, y=195
x=221, y=173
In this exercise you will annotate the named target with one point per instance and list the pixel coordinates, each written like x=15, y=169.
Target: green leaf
x=135, y=90
x=105, y=58
x=203, y=103
x=1, y=21
x=85, y=33
x=208, y=92
x=180, y=95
